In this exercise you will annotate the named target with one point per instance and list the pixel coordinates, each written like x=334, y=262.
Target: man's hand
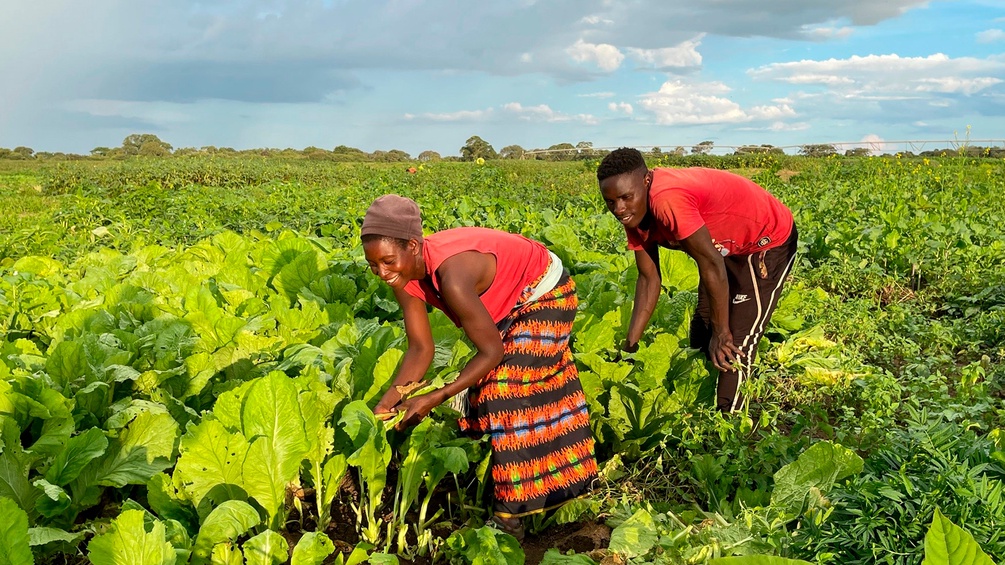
x=417, y=408
x=723, y=351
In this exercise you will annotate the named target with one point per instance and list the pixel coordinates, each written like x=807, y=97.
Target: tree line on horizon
x=149, y=145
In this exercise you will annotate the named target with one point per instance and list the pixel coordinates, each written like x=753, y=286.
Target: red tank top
x=519, y=262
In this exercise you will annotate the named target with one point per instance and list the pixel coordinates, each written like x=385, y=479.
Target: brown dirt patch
x=786, y=174
x=585, y=537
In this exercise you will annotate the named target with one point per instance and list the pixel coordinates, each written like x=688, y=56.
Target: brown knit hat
x=393, y=216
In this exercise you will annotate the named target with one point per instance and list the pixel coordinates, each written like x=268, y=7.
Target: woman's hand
x=417, y=408
x=388, y=405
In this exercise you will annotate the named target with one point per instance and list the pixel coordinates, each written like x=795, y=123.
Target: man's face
x=627, y=196
x=394, y=264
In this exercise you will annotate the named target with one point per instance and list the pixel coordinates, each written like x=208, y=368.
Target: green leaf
x=128, y=543
x=555, y=557
x=66, y=363
x=14, y=541
x=14, y=481
x=487, y=546
x=656, y=359
x=298, y=273
x=312, y=549
x=820, y=466
x=211, y=456
x=144, y=448
x=757, y=560
x=267, y=548
x=78, y=452
x=226, y=553
x=227, y=522
x=383, y=559
x=635, y=536
x=55, y=500
x=271, y=418
x=948, y=544
x=677, y=270
x=227, y=407
x=383, y=371
x=165, y=500
x=42, y=536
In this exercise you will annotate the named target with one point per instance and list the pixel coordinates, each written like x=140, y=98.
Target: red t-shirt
x=519, y=262
x=741, y=216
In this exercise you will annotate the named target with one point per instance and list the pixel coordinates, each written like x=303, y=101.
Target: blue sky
x=417, y=75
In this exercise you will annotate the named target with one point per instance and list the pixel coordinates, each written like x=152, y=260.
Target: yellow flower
x=480, y=161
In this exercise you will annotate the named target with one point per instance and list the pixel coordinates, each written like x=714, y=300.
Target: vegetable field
x=190, y=350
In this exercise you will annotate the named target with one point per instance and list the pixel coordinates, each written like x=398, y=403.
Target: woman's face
x=394, y=263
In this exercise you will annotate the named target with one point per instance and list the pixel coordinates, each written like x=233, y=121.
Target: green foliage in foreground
x=190, y=350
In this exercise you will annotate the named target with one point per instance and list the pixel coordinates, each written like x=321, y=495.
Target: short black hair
x=397, y=241
x=619, y=162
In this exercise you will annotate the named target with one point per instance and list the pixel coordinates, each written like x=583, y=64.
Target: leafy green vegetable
x=312, y=549
x=14, y=540
x=128, y=543
x=948, y=544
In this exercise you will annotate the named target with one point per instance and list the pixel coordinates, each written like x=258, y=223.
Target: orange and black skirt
x=533, y=409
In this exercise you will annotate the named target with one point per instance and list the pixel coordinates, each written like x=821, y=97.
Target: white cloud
x=874, y=143
x=684, y=54
x=544, y=113
x=783, y=126
x=680, y=103
x=607, y=57
x=621, y=107
x=594, y=20
x=825, y=33
x=860, y=77
x=991, y=36
x=458, y=116
x=956, y=84
x=597, y=95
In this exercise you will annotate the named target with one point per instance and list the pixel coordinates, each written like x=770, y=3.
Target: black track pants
x=755, y=284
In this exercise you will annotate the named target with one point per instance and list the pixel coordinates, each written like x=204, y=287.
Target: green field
x=192, y=347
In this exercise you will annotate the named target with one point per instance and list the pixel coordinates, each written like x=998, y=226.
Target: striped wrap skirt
x=533, y=409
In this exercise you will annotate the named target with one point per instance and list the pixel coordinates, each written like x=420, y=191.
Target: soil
x=585, y=537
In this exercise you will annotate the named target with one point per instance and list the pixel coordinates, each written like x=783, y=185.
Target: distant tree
x=155, y=149
x=133, y=144
x=392, y=156
x=186, y=151
x=857, y=152
x=316, y=153
x=350, y=154
x=561, y=152
x=476, y=147
x=656, y=153
x=818, y=150
x=758, y=149
x=100, y=151
x=5, y=153
x=586, y=152
x=703, y=148
x=428, y=156
x=22, y=152
x=512, y=152
x=679, y=151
